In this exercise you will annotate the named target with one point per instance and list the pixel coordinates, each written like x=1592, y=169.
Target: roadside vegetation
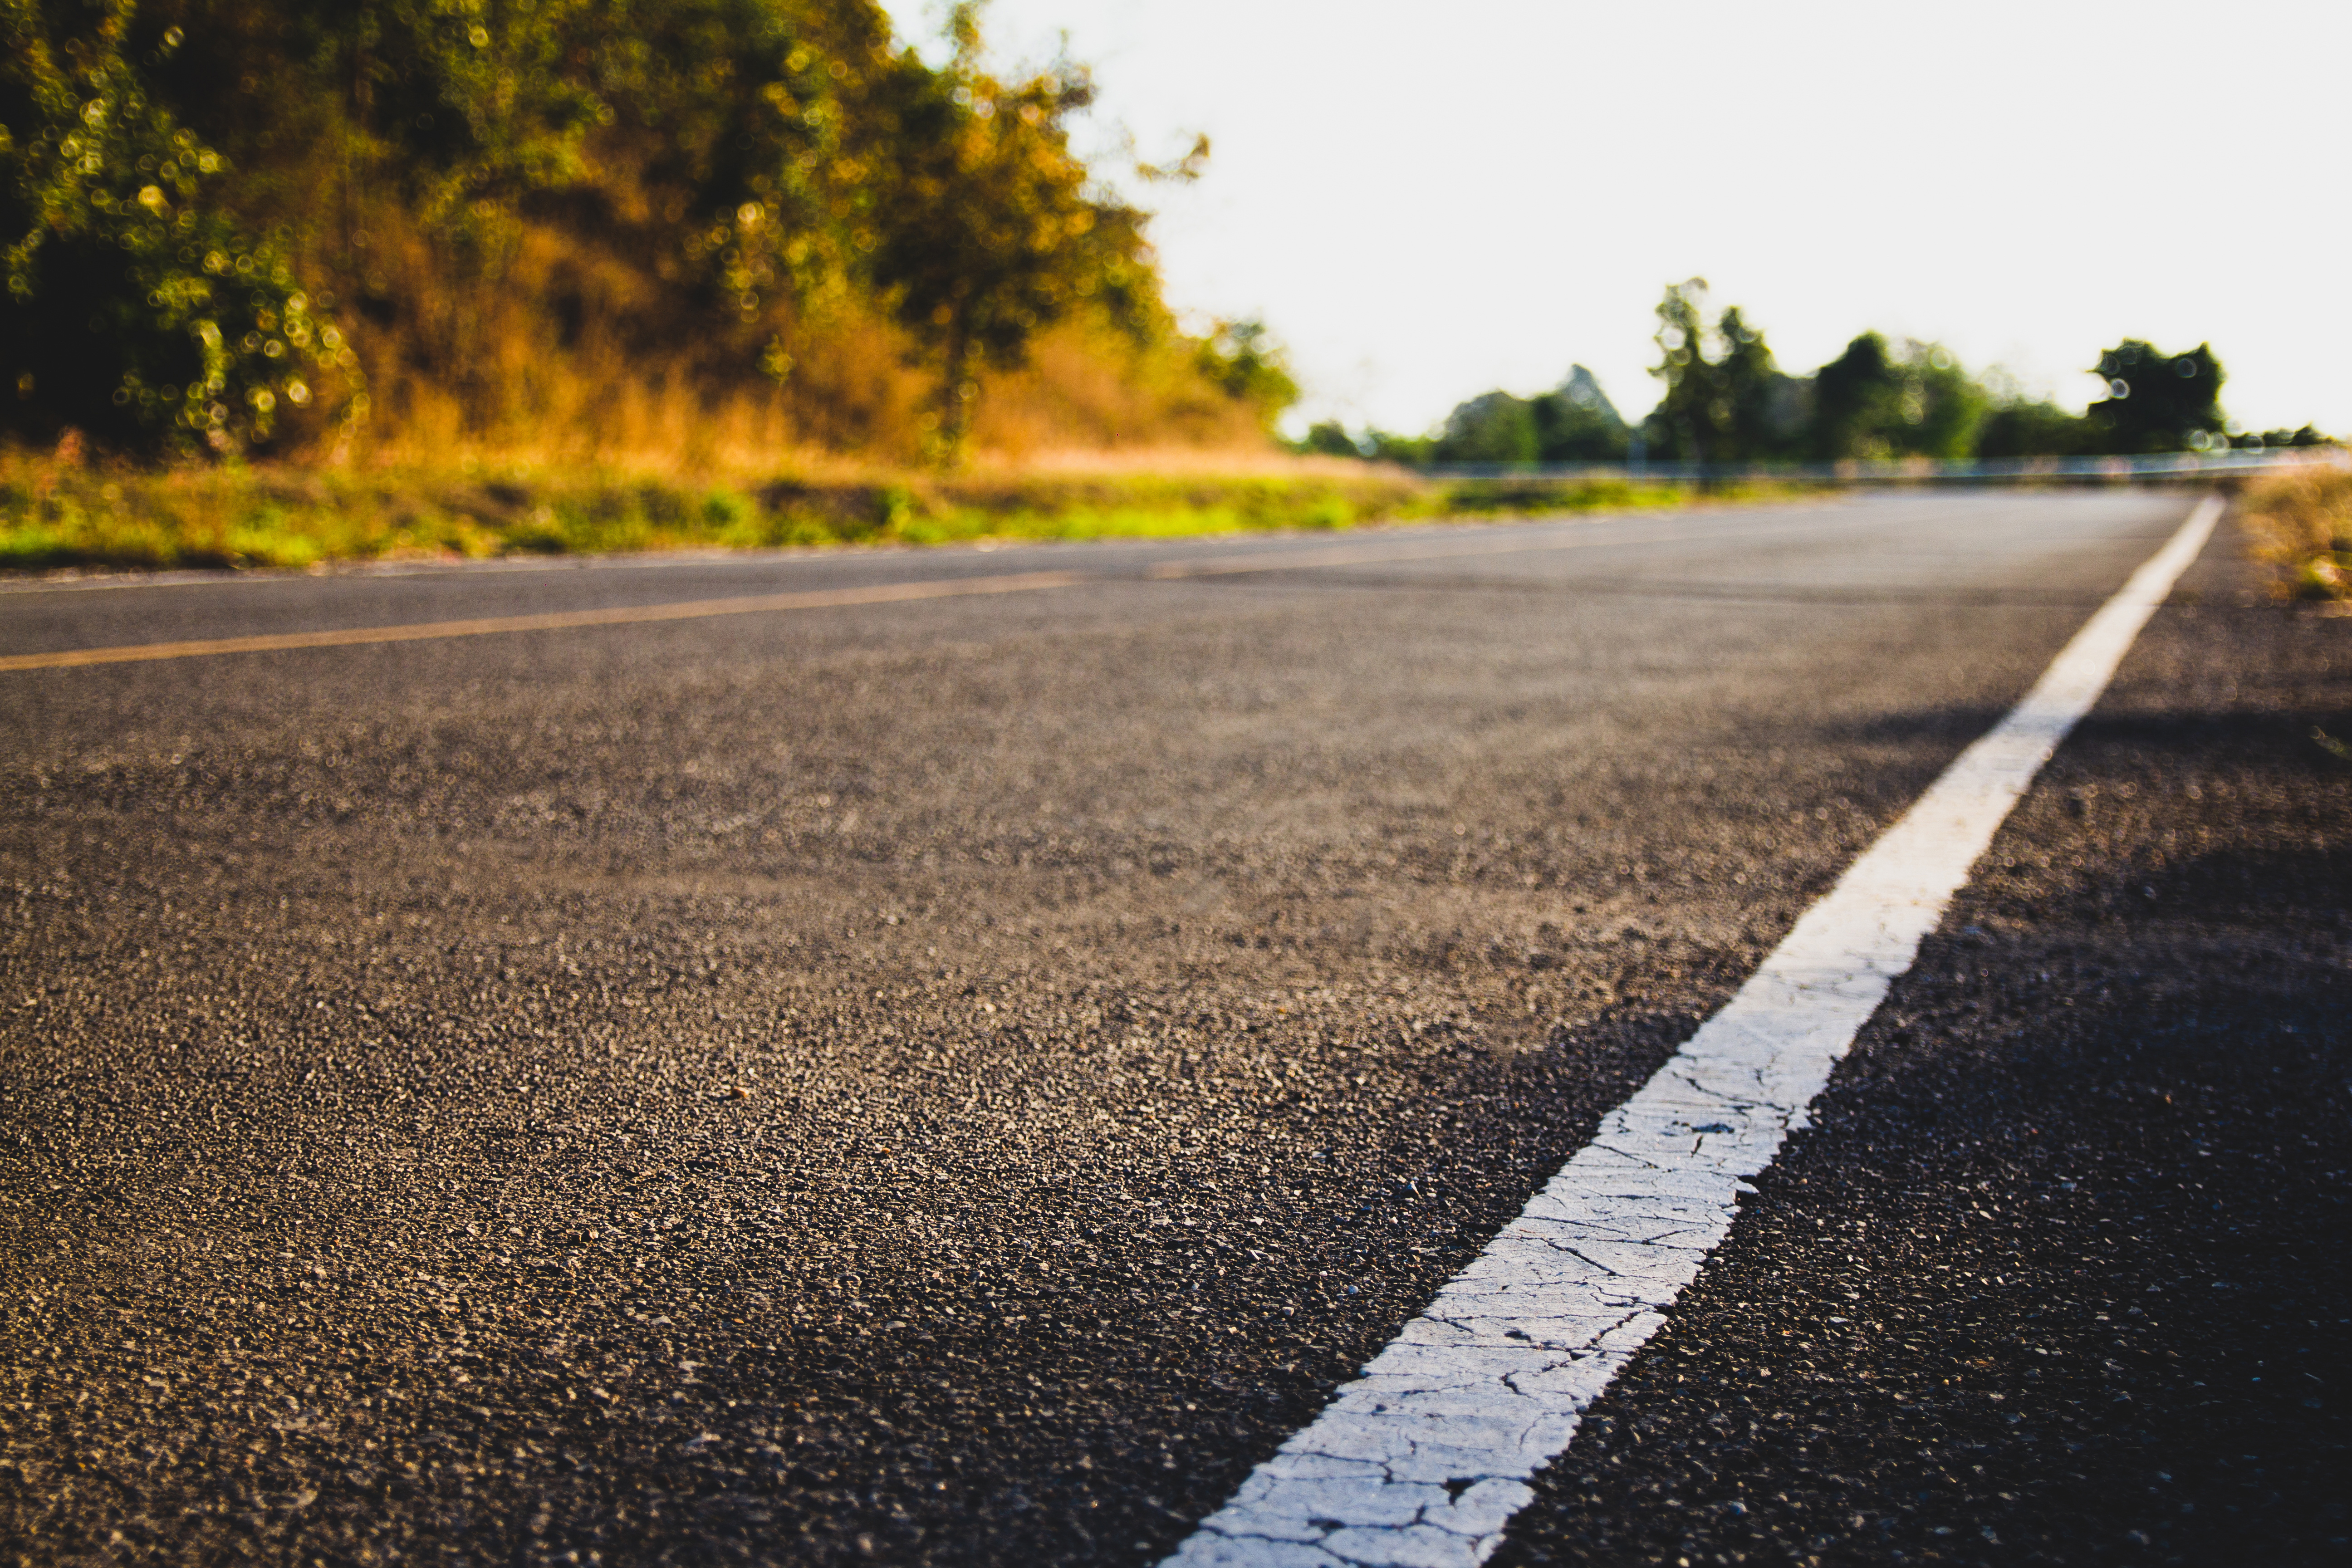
x=597, y=229
x=286, y=283
x=2302, y=522
x=57, y=512
x=1725, y=399
x=283, y=284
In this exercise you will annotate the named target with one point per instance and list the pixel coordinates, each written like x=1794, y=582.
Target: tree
x=1854, y=400
x=1241, y=359
x=2032, y=428
x=1942, y=406
x=993, y=227
x=1577, y=423
x=1763, y=412
x=1873, y=401
x=715, y=142
x=1494, y=428
x=1388, y=446
x=1692, y=412
x=1328, y=439
x=1733, y=406
x=479, y=186
x=2156, y=402
x=135, y=307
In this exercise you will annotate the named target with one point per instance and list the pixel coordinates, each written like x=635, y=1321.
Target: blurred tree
x=1693, y=414
x=1855, y=399
x=1328, y=439
x=1495, y=427
x=1578, y=424
x=994, y=228
x=751, y=167
x=636, y=116
x=1387, y=447
x=2031, y=427
x=1764, y=413
x=1736, y=406
x=1877, y=402
x=1942, y=406
x=135, y=307
x=2156, y=402
x=2256, y=441
x=1241, y=359
x=733, y=144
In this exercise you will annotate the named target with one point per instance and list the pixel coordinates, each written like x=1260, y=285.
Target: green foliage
x=2305, y=437
x=1574, y=422
x=1533, y=496
x=1388, y=446
x=995, y=228
x=1495, y=427
x=1913, y=401
x=1692, y=411
x=1943, y=408
x=717, y=137
x=1327, y=439
x=1855, y=396
x=55, y=513
x=1755, y=410
x=2033, y=427
x=136, y=307
x=2156, y=402
x=1726, y=401
x=726, y=182
x=1241, y=359
x=1730, y=406
x=738, y=135
x=1578, y=424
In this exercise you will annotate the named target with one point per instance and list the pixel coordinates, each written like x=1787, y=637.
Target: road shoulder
x=2059, y=1275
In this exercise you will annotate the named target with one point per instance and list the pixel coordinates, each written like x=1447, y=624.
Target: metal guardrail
x=2156, y=467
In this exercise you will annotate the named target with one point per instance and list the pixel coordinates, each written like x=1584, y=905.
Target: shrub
x=135, y=307
x=2302, y=524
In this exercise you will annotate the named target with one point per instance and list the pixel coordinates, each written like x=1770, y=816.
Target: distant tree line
x=225, y=220
x=1726, y=400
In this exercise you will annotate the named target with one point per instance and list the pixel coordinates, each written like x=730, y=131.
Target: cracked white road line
x=1422, y=1462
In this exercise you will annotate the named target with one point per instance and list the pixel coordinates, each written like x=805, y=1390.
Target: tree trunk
x=955, y=405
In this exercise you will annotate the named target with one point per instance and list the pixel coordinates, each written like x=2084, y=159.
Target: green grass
x=57, y=516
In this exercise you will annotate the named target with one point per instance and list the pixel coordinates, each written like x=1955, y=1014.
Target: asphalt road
x=960, y=1079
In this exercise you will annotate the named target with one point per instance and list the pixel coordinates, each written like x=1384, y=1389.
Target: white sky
x=1425, y=201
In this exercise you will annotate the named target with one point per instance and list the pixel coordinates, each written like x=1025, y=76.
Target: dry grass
x=566, y=351
x=2302, y=524
x=853, y=401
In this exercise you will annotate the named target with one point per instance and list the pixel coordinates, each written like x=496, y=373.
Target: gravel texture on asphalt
x=956, y=1082
x=2061, y=1275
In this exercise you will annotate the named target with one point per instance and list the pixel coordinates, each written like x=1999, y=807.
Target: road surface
x=955, y=1062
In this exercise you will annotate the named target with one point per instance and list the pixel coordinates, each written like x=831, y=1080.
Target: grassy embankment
x=2302, y=522
x=57, y=514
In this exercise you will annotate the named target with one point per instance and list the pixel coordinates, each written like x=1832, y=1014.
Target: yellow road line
x=811, y=599
x=632, y=615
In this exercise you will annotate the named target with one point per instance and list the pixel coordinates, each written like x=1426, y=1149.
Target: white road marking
x=1422, y=1462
